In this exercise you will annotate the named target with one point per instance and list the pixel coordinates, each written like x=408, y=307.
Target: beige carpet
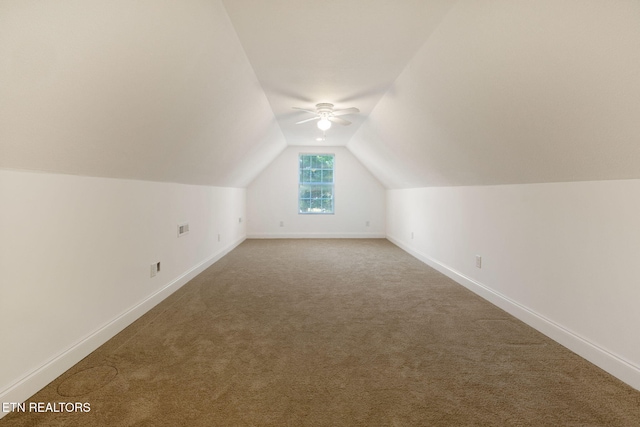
x=332, y=333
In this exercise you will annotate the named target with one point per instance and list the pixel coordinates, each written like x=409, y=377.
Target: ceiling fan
x=325, y=114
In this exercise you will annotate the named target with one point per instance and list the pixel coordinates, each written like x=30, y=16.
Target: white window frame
x=304, y=183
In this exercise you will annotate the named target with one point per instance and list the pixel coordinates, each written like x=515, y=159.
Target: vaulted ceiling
x=343, y=52
x=201, y=91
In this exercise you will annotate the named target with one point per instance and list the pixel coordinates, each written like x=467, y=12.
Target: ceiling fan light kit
x=324, y=123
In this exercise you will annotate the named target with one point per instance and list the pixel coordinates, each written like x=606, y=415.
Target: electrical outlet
x=183, y=229
x=218, y=237
x=367, y=223
x=478, y=261
x=239, y=220
x=155, y=269
x=281, y=223
x=412, y=235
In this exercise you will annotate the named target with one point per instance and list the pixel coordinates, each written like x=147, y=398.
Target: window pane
x=328, y=162
x=316, y=162
x=304, y=205
x=306, y=163
x=305, y=192
x=306, y=176
x=327, y=176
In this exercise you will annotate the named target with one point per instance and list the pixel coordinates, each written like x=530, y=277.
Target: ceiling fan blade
x=340, y=120
x=345, y=111
x=304, y=109
x=307, y=120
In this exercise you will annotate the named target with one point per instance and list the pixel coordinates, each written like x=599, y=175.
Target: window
x=315, y=185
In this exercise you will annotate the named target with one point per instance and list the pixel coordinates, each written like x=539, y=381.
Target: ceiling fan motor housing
x=324, y=109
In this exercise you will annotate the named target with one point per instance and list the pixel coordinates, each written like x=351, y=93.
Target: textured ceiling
x=200, y=91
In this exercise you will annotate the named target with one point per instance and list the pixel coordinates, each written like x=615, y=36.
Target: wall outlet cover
x=183, y=229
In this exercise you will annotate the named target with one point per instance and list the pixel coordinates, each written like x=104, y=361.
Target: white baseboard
x=601, y=357
x=316, y=236
x=58, y=364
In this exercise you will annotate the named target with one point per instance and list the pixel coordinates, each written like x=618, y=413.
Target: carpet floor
x=331, y=333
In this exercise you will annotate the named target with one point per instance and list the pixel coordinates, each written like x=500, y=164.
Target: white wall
x=75, y=257
x=273, y=197
x=563, y=257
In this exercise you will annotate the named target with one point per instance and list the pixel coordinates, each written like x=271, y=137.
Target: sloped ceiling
x=508, y=92
x=152, y=90
x=200, y=91
x=346, y=53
